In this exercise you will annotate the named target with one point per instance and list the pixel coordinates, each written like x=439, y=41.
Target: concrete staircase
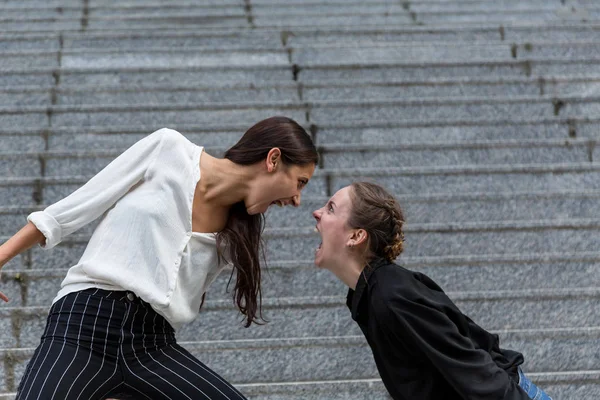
x=482, y=116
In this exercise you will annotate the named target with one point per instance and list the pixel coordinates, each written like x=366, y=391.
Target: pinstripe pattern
x=99, y=344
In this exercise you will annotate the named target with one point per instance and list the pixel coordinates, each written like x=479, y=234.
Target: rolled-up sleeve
x=100, y=193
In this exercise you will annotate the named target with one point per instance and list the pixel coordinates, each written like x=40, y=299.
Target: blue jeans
x=532, y=391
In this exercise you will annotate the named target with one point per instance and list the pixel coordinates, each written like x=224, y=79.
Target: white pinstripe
x=76, y=349
x=168, y=369
x=195, y=361
x=32, y=362
x=61, y=349
x=194, y=372
x=177, y=369
x=91, y=351
x=125, y=359
x=102, y=364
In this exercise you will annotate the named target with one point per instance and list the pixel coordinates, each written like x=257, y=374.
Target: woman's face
x=332, y=225
x=282, y=187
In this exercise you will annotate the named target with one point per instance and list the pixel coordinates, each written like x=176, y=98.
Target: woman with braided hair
x=425, y=348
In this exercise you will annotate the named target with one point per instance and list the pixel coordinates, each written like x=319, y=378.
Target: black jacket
x=424, y=347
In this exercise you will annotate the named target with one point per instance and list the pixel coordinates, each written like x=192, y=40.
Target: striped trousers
x=100, y=344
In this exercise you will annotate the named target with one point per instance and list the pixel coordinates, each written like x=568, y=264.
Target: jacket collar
x=363, y=281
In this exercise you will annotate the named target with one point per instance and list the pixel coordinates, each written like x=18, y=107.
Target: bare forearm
x=24, y=239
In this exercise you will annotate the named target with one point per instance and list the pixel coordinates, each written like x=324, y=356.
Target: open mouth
x=321, y=243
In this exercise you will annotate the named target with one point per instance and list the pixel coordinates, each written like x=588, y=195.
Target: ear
x=273, y=158
x=357, y=237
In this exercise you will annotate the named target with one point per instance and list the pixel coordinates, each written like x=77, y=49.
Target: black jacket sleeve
x=431, y=333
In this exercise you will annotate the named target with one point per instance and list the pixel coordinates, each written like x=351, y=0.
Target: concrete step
x=46, y=59
x=178, y=75
x=405, y=110
x=173, y=58
x=451, y=109
x=422, y=18
x=452, y=87
x=143, y=115
x=474, y=153
x=383, y=53
x=367, y=132
x=156, y=11
x=38, y=287
x=168, y=20
x=163, y=94
x=349, y=357
x=146, y=40
x=423, y=240
x=305, y=317
x=205, y=93
x=301, y=37
x=460, y=239
x=562, y=386
x=418, y=209
x=54, y=13
x=400, y=181
x=407, y=70
x=59, y=163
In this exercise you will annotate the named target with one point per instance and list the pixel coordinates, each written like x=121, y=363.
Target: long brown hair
x=242, y=234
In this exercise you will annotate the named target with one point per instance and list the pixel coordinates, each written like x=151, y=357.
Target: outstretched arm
x=24, y=239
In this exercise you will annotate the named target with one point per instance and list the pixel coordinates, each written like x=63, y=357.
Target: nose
x=296, y=200
x=317, y=214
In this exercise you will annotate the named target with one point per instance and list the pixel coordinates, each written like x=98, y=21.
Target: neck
x=348, y=271
x=222, y=182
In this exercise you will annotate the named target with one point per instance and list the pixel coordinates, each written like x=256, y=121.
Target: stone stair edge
x=343, y=341
x=432, y=198
x=249, y=27
x=359, y=124
x=463, y=227
x=376, y=172
x=465, y=63
x=301, y=104
x=338, y=147
x=336, y=83
x=279, y=47
x=369, y=29
x=408, y=262
x=534, y=295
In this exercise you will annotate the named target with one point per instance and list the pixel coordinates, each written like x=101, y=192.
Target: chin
x=253, y=210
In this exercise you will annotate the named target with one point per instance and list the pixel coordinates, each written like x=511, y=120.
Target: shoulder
x=397, y=288
x=173, y=143
x=166, y=134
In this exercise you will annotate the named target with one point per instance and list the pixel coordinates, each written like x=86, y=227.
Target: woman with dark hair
x=172, y=217
x=424, y=347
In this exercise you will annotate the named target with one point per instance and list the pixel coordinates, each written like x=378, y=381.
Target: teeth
x=316, y=230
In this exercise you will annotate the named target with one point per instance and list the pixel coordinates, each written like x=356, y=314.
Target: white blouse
x=144, y=242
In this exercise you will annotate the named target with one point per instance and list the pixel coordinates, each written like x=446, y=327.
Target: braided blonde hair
x=376, y=211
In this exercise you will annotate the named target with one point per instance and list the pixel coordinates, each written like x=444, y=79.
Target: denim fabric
x=532, y=391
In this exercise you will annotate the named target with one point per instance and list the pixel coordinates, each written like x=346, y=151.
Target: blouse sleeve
x=469, y=370
x=100, y=193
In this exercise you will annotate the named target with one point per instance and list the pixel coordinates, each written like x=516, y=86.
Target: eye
x=329, y=207
x=302, y=183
